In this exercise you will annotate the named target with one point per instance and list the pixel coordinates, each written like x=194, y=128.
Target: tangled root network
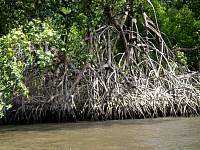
x=142, y=81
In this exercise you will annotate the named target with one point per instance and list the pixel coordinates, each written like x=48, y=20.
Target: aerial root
x=143, y=82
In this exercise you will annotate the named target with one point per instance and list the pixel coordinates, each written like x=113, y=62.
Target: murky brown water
x=148, y=134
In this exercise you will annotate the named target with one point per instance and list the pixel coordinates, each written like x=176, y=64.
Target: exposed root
x=143, y=82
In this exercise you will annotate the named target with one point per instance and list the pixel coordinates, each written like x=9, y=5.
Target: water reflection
x=148, y=134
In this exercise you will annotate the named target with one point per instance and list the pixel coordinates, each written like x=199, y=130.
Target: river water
x=146, y=134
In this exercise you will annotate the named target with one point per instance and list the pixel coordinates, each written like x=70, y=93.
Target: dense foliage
x=20, y=49
x=179, y=20
x=45, y=44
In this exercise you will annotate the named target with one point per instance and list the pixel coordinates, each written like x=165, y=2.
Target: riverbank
x=116, y=114
x=119, y=72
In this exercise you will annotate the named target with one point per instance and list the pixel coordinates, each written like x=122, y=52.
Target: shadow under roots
x=49, y=116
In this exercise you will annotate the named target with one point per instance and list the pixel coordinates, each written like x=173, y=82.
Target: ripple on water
x=147, y=134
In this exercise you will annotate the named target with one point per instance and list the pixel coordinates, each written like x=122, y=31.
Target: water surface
x=147, y=134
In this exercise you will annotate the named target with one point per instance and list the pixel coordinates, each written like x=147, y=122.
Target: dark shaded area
x=50, y=116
